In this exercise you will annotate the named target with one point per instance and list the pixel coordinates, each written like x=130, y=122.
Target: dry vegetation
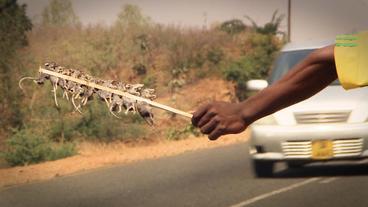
x=178, y=62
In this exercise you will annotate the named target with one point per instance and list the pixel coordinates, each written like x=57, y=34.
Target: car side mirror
x=256, y=85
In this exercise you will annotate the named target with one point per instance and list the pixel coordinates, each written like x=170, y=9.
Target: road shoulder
x=94, y=156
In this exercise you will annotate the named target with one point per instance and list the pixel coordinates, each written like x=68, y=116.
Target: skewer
x=128, y=95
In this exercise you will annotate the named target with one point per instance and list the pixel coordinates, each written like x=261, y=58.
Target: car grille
x=341, y=148
x=321, y=117
x=298, y=149
x=347, y=147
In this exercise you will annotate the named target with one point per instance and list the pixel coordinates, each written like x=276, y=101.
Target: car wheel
x=263, y=168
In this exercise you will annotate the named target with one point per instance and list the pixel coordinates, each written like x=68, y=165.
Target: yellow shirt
x=351, y=59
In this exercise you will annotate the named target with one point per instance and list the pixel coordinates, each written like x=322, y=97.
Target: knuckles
x=212, y=112
x=217, y=119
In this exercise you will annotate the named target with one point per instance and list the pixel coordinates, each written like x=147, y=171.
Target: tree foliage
x=131, y=17
x=253, y=65
x=271, y=27
x=13, y=27
x=233, y=26
x=59, y=13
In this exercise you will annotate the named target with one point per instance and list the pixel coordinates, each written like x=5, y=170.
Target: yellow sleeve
x=351, y=59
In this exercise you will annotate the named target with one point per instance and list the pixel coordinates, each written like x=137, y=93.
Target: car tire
x=263, y=168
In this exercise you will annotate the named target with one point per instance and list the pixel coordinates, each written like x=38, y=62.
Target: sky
x=311, y=20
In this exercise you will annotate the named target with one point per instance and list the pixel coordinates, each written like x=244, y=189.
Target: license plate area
x=322, y=149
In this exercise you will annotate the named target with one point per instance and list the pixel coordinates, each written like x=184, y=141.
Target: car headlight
x=267, y=120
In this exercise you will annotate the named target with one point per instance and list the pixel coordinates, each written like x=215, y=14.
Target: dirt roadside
x=92, y=156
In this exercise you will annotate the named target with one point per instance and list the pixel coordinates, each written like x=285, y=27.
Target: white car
x=331, y=125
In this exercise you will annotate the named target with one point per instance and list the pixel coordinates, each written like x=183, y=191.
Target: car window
x=286, y=61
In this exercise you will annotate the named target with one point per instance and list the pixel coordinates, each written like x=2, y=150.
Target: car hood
x=328, y=101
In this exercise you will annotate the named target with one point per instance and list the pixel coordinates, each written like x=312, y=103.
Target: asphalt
x=212, y=177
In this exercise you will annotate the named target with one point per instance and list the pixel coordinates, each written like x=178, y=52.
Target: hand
x=220, y=118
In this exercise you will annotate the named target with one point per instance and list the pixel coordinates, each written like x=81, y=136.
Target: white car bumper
x=271, y=142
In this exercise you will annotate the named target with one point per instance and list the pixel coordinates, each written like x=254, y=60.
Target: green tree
x=271, y=27
x=59, y=13
x=13, y=27
x=255, y=64
x=131, y=17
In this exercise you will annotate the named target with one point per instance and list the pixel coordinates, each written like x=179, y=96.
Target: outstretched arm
x=306, y=79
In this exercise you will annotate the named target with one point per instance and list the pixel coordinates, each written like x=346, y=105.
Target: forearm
x=303, y=81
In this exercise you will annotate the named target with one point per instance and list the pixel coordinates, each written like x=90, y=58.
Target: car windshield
x=286, y=61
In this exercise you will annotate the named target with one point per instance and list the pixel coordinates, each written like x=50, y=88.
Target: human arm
x=306, y=79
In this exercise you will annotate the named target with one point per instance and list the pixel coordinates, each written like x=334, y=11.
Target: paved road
x=213, y=177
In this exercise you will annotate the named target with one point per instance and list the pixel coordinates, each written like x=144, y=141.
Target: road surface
x=211, y=177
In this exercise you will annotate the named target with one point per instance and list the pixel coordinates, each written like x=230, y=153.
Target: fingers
x=206, y=118
x=219, y=131
x=210, y=126
x=199, y=113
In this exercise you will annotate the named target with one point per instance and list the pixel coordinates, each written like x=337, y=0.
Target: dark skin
x=307, y=78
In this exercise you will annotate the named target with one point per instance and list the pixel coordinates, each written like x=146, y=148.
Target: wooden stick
x=128, y=95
